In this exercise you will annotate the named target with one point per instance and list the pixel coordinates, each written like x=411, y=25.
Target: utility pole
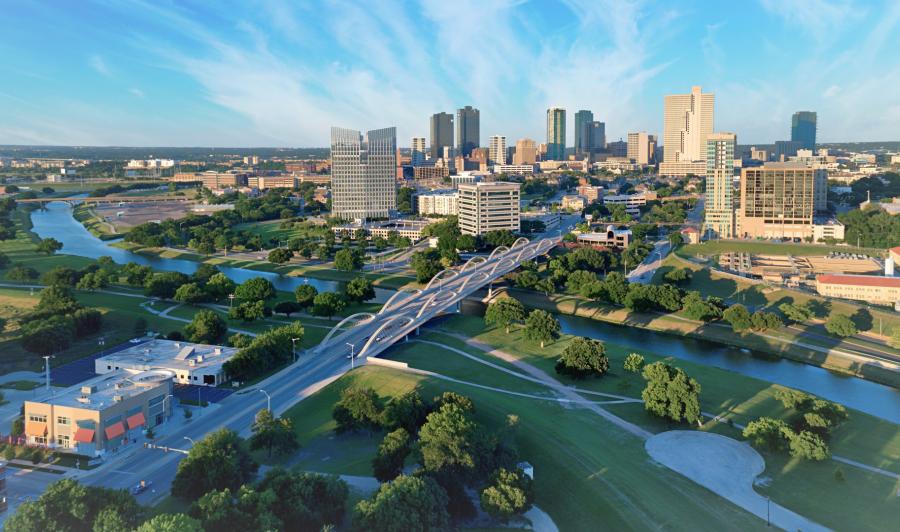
x=352, y=354
x=47, y=370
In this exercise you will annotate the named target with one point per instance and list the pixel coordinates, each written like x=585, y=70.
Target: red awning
x=84, y=435
x=33, y=428
x=115, y=430
x=136, y=420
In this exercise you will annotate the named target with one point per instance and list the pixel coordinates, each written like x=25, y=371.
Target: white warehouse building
x=189, y=363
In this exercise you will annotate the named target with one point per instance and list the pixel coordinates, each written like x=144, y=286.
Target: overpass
x=108, y=199
x=366, y=334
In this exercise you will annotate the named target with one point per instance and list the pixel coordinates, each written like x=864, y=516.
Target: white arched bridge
x=368, y=334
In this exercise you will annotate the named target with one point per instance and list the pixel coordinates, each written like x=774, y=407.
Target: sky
x=281, y=72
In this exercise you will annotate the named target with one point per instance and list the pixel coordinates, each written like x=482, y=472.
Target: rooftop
x=860, y=280
x=105, y=390
x=169, y=354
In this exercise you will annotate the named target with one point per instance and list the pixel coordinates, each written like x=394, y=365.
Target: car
x=136, y=340
x=141, y=487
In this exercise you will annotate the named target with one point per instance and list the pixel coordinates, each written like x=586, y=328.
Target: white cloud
x=831, y=91
x=136, y=91
x=98, y=64
x=821, y=19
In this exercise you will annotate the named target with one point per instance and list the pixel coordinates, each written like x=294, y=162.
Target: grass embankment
x=717, y=247
x=94, y=223
x=22, y=386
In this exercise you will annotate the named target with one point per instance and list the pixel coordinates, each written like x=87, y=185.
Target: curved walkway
x=726, y=467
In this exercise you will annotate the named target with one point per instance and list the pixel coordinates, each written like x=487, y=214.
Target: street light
x=294, y=348
x=268, y=400
x=190, y=440
x=352, y=354
x=164, y=404
x=230, y=300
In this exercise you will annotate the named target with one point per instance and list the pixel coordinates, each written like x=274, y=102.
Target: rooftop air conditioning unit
x=84, y=399
x=118, y=398
x=199, y=359
x=87, y=390
x=192, y=363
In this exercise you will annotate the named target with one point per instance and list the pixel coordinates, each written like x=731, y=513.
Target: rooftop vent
x=118, y=398
x=84, y=399
x=87, y=390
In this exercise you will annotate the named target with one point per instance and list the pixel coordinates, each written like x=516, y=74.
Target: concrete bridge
x=367, y=334
x=110, y=199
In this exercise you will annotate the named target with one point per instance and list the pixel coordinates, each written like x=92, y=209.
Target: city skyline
x=282, y=75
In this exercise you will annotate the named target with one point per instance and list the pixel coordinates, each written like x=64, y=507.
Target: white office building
x=485, y=207
x=439, y=202
x=497, y=150
x=362, y=173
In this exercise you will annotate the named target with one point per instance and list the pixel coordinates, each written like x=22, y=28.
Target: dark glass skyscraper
x=582, y=141
x=803, y=129
x=468, y=130
x=441, y=134
x=556, y=134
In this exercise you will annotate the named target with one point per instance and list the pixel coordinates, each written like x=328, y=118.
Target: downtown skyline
x=137, y=74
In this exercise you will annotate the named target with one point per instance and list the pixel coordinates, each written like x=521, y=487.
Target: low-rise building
x=107, y=413
x=590, y=192
x=272, y=181
x=551, y=220
x=632, y=202
x=514, y=169
x=827, y=228
x=682, y=168
x=411, y=229
x=189, y=363
x=485, y=207
x=691, y=235
x=211, y=179
x=573, y=202
x=439, y=202
x=613, y=238
x=869, y=288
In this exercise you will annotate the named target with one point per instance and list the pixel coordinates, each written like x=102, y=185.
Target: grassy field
x=94, y=223
x=717, y=247
x=22, y=386
x=272, y=229
x=21, y=250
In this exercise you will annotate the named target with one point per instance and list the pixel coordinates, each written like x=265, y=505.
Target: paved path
x=727, y=467
x=21, y=376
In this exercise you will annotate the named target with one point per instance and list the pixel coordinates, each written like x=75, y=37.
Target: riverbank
x=92, y=221
x=780, y=343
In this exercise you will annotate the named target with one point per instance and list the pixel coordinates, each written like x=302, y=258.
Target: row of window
x=41, y=418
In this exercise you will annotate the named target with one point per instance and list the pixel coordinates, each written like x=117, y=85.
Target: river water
x=57, y=221
x=866, y=396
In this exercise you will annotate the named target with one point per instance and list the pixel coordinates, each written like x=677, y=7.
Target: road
x=645, y=270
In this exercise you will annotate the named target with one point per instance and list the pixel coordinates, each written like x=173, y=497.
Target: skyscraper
x=595, y=137
x=497, y=150
x=803, y=129
x=639, y=149
x=468, y=130
x=526, y=152
x=556, y=134
x=362, y=173
x=582, y=119
x=778, y=200
x=720, y=220
x=417, y=151
x=441, y=133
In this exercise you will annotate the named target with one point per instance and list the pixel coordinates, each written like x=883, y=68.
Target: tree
x=634, y=362
x=47, y=336
x=248, y=311
x=541, y=326
x=60, y=275
x=287, y=307
x=273, y=434
x=841, y=325
x=504, y=312
x=4, y=260
x=306, y=501
x=392, y=453
x=67, y=505
x=219, y=286
x=190, y=293
x=679, y=277
x=670, y=393
x=768, y=433
x=280, y=255
x=163, y=285
x=48, y=246
x=809, y=446
x=328, y=304
x=206, y=327
x=93, y=281
x=57, y=299
x=796, y=312
x=738, y=316
x=348, y=260
x=452, y=444
x=22, y=274
x=218, y=461
x=510, y=493
x=256, y=289
x=171, y=523
x=762, y=321
x=241, y=509
x=86, y=321
x=305, y=294
x=406, y=503
x=358, y=409
x=583, y=357
x=359, y=290
x=136, y=274
x=676, y=239
x=695, y=308
x=426, y=264
x=407, y=411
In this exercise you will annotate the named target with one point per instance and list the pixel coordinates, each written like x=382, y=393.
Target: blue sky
x=280, y=72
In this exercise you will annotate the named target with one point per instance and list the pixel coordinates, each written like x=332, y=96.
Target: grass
x=22, y=386
x=35, y=468
x=94, y=223
x=717, y=247
x=272, y=229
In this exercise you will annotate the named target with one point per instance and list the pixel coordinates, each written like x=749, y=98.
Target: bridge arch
x=474, y=261
x=408, y=292
x=496, y=250
x=440, y=275
x=519, y=241
x=501, y=264
x=483, y=275
x=372, y=339
x=359, y=317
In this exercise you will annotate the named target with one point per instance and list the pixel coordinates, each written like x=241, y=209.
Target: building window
x=37, y=418
x=62, y=420
x=40, y=440
x=108, y=367
x=63, y=441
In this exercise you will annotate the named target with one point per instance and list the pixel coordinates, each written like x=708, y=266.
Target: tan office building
x=526, y=152
x=719, y=219
x=641, y=147
x=778, y=200
x=687, y=122
x=485, y=207
x=870, y=288
x=106, y=414
x=211, y=179
x=268, y=182
x=497, y=150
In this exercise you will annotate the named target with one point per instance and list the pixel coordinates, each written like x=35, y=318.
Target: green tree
x=634, y=362
x=47, y=336
x=541, y=326
x=452, y=444
x=163, y=285
x=762, y=321
x=841, y=325
x=57, y=299
x=796, y=312
x=206, y=327
x=256, y=289
x=694, y=307
x=406, y=411
x=220, y=286
x=348, y=260
x=22, y=274
x=504, y=312
x=391, y=455
x=358, y=409
x=48, y=246
x=670, y=393
x=768, y=433
x=676, y=239
x=248, y=311
x=509, y=494
x=359, y=290
x=328, y=304
x=406, y=503
x=191, y=293
x=240, y=509
x=67, y=505
x=583, y=357
x=171, y=523
x=218, y=461
x=738, y=316
x=280, y=255
x=306, y=501
x=287, y=307
x=60, y=275
x=809, y=446
x=305, y=295
x=426, y=264
x=273, y=434
x=679, y=277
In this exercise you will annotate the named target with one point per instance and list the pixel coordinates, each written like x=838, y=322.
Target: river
x=866, y=396
x=56, y=221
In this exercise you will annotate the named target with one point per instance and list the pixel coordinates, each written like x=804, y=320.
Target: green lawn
x=22, y=386
x=717, y=247
x=271, y=229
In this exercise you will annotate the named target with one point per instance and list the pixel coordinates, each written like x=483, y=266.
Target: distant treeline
x=190, y=154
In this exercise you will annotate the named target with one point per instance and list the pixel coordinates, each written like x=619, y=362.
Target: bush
x=634, y=362
x=583, y=357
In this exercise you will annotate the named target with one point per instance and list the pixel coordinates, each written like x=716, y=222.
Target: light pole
x=230, y=300
x=47, y=370
x=294, y=348
x=190, y=440
x=352, y=354
x=268, y=400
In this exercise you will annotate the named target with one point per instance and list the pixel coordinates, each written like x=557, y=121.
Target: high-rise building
x=556, y=134
x=785, y=149
x=417, y=151
x=582, y=119
x=803, y=129
x=526, y=152
x=688, y=121
x=617, y=148
x=595, y=137
x=641, y=147
x=719, y=208
x=497, y=149
x=485, y=207
x=779, y=200
x=441, y=133
x=468, y=130
x=362, y=173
